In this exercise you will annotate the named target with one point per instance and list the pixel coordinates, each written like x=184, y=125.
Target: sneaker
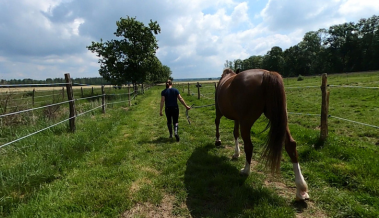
x=177, y=138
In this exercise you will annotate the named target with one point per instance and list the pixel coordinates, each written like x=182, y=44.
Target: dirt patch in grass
x=163, y=210
x=136, y=185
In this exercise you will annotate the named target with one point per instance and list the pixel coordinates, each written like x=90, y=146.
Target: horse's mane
x=226, y=71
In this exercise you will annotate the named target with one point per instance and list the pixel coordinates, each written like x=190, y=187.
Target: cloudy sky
x=42, y=39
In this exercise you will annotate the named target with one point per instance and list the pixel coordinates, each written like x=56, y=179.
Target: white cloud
x=358, y=8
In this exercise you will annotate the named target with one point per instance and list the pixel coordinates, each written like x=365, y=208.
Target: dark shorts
x=172, y=114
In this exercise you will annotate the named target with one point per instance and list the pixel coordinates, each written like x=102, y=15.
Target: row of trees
x=346, y=47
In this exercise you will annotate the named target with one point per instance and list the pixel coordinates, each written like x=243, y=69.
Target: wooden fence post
x=70, y=96
x=136, y=90
x=198, y=90
x=324, y=107
x=34, y=93
x=103, y=98
x=82, y=91
x=129, y=94
x=188, y=90
x=53, y=97
x=92, y=90
x=62, y=92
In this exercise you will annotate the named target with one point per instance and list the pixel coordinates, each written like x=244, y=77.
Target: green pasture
x=122, y=163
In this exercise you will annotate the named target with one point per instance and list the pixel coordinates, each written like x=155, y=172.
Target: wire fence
x=206, y=95
x=135, y=93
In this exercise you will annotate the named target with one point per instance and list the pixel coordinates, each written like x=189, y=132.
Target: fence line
x=1, y=146
x=78, y=115
x=331, y=116
x=18, y=112
x=32, y=85
x=72, y=117
x=363, y=87
x=31, y=109
x=122, y=101
x=122, y=93
x=352, y=121
x=303, y=114
x=25, y=92
x=88, y=97
x=41, y=130
x=300, y=87
x=325, y=102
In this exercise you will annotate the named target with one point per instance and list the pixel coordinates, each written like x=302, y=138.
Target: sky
x=42, y=39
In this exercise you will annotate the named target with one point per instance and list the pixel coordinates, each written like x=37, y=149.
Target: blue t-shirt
x=170, y=95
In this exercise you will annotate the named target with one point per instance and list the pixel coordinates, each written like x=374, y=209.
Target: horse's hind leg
x=217, y=122
x=301, y=185
x=248, y=147
x=236, y=135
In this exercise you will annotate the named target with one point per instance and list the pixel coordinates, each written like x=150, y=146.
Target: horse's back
x=242, y=96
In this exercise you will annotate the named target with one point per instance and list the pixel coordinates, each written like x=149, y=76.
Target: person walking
x=169, y=100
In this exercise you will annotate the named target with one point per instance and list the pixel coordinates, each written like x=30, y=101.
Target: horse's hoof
x=235, y=157
x=218, y=143
x=244, y=173
x=302, y=196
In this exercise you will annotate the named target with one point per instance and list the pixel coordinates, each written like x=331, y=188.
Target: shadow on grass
x=319, y=143
x=160, y=140
x=216, y=189
x=299, y=206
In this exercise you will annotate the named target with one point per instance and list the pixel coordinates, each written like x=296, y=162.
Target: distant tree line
x=346, y=47
x=86, y=80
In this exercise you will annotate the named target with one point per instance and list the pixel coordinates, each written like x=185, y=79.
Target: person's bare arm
x=162, y=104
x=183, y=102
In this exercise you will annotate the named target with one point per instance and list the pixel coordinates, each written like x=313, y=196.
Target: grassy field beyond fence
x=122, y=163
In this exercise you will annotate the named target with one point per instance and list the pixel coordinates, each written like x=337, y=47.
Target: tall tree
x=131, y=58
x=274, y=60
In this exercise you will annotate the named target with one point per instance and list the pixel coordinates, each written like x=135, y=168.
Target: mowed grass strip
x=123, y=164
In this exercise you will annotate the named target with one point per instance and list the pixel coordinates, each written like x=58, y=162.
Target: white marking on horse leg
x=218, y=141
x=237, y=149
x=246, y=170
x=301, y=185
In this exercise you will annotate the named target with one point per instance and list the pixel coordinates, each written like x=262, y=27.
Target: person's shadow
x=216, y=189
x=160, y=140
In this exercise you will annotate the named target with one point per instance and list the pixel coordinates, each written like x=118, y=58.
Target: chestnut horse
x=243, y=97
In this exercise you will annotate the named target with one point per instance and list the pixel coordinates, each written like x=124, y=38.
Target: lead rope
x=192, y=106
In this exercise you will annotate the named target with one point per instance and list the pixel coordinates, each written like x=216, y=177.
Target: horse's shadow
x=215, y=188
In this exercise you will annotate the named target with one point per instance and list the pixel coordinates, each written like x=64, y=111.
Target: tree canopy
x=346, y=47
x=133, y=57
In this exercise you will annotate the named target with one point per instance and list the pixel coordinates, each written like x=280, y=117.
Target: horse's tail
x=276, y=111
